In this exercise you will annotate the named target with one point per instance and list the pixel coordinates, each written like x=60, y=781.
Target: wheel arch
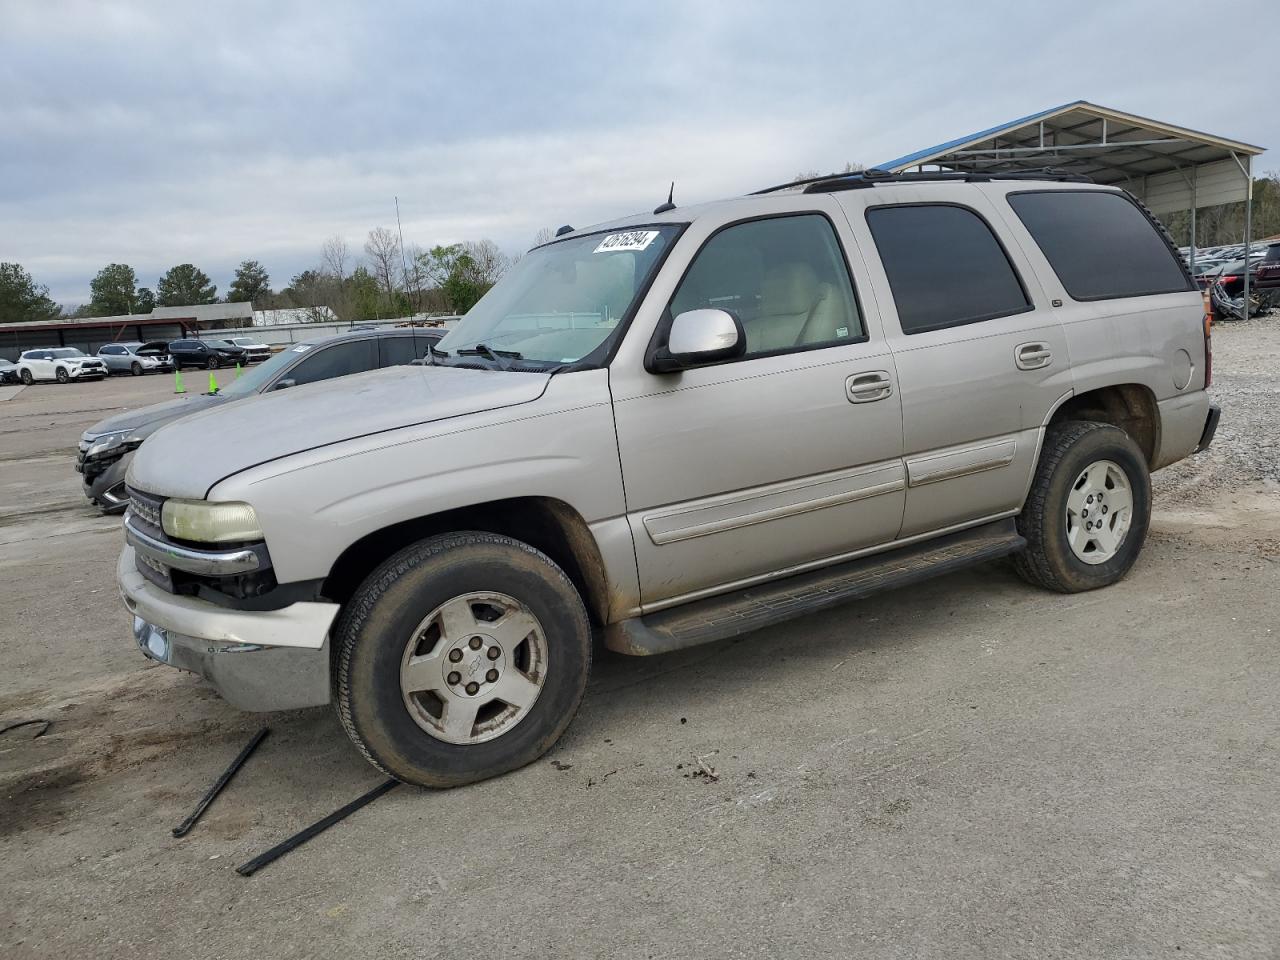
x=545, y=523
x=1130, y=406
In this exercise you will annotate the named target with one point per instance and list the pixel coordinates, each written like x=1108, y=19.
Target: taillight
x=1229, y=278
x=1208, y=339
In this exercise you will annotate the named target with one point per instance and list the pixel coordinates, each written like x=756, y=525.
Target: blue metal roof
x=919, y=155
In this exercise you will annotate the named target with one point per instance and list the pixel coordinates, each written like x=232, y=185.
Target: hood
x=187, y=458
x=146, y=420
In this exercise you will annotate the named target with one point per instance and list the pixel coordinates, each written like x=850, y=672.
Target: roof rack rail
x=864, y=179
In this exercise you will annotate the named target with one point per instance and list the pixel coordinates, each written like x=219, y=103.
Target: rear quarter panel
x=1154, y=341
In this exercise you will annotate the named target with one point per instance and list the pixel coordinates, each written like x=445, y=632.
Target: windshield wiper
x=493, y=356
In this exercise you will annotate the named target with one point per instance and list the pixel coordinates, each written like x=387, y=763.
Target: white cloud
x=155, y=133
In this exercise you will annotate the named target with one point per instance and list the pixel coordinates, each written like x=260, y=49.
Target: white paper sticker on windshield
x=634, y=240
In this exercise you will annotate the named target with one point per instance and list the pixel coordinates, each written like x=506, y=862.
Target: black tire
x=1068, y=449
x=376, y=624
x=26, y=377
x=62, y=375
x=212, y=363
x=135, y=368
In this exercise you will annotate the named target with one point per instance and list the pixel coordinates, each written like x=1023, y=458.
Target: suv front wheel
x=1086, y=517
x=462, y=657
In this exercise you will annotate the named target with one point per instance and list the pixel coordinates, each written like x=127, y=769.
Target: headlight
x=208, y=522
x=105, y=444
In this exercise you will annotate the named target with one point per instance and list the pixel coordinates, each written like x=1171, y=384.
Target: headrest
x=789, y=288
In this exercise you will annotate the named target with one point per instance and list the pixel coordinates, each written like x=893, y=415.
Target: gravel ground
x=968, y=769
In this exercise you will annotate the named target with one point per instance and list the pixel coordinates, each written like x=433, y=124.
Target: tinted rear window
x=945, y=266
x=1100, y=244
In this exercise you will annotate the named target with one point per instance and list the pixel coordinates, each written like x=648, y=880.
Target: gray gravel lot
x=967, y=769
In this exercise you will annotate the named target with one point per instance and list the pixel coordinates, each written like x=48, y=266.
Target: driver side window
x=783, y=277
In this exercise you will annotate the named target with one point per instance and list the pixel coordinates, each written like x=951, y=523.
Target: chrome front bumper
x=211, y=563
x=257, y=660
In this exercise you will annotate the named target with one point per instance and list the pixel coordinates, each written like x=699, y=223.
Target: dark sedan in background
x=206, y=353
x=107, y=447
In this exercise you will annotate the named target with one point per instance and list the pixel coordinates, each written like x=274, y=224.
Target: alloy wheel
x=473, y=668
x=1099, y=511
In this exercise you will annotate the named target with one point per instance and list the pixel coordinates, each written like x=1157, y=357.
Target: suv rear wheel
x=1086, y=517
x=462, y=657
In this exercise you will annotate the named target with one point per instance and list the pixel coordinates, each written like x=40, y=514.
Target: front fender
x=314, y=504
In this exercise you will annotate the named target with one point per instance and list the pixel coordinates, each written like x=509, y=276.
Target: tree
x=114, y=291
x=186, y=284
x=311, y=291
x=22, y=300
x=545, y=235
x=365, y=295
x=250, y=284
x=383, y=250
x=487, y=260
x=335, y=259
x=335, y=255
x=145, y=302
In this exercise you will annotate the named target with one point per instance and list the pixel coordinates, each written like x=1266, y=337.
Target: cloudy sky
x=158, y=133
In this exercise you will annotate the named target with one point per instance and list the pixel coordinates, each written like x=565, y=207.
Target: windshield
x=561, y=303
x=66, y=352
x=255, y=378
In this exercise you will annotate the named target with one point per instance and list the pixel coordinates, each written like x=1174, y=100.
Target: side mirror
x=285, y=384
x=698, y=337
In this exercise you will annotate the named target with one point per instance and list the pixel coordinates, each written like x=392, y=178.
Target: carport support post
x=1194, y=178
x=1248, y=226
x=1247, y=169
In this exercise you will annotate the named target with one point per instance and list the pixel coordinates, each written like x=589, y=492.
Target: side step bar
x=763, y=605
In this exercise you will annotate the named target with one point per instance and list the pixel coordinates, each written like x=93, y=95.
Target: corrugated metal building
x=163, y=323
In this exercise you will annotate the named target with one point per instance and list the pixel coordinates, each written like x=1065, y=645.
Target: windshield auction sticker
x=635, y=240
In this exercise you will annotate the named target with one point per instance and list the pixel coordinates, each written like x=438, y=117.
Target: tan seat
x=788, y=295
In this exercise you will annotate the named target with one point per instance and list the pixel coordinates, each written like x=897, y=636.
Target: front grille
x=146, y=509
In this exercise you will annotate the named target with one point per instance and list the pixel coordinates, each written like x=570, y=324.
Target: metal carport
x=1167, y=167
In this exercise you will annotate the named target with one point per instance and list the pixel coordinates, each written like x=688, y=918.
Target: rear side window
x=945, y=266
x=396, y=350
x=1100, y=244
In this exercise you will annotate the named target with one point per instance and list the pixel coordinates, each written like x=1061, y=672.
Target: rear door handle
x=868, y=387
x=1032, y=356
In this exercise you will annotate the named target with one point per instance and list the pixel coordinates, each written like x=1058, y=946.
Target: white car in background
x=256, y=351
x=63, y=364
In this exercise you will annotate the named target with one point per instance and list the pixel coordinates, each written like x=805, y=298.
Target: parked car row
x=64, y=364
x=106, y=448
x=1225, y=285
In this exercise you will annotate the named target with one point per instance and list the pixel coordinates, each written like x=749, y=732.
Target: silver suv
x=669, y=430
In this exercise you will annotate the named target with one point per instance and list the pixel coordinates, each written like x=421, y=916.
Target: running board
x=763, y=605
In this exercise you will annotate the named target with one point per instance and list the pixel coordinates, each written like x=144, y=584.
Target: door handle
x=1032, y=356
x=868, y=387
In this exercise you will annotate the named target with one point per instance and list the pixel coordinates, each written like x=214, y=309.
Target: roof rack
x=863, y=179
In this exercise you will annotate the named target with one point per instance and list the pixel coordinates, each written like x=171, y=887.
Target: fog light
x=152, y=640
